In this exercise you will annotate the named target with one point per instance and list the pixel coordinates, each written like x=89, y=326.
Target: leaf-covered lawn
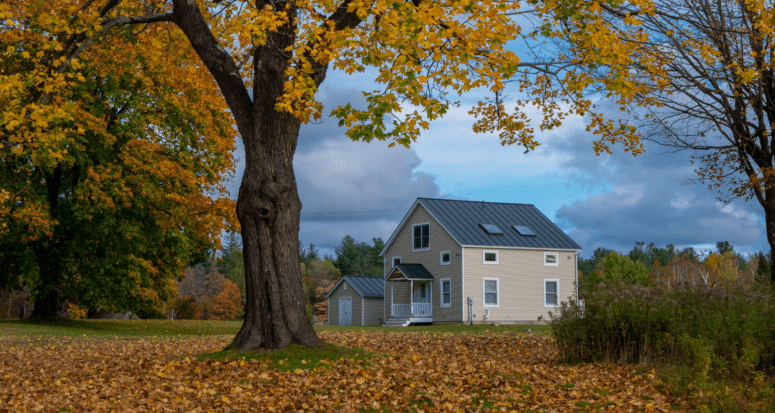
x=404, y=372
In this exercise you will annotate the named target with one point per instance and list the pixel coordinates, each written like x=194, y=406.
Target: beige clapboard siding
x=333, y=304
x=400, y=294
x=521, y=275
x=373, y=311
x=440, y=241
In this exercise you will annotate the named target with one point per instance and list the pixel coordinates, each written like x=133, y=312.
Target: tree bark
x=268, y=205
x=49, y=256
x=769, y=223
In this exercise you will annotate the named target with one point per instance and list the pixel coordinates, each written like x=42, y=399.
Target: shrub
x=722, y=330
x=619, y=267
x=228, y=303
x=185, y=309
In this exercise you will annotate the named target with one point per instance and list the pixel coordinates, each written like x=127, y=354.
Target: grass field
x=139, y=365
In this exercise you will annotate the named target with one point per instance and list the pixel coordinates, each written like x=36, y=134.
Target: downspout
x=576, y=275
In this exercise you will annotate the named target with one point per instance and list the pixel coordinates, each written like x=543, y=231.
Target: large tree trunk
x=769, y=223
x=268, y=208
x=49, y=256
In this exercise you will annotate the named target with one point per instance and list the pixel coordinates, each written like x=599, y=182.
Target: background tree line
x=666, y=266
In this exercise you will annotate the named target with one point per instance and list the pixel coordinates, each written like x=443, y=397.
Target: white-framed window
x=446, y=292
x=396, y=260
x=551, y=293
x=421, y=237
x=490, y=257
x=551, y=258
x=491, y=295
x=445, y=258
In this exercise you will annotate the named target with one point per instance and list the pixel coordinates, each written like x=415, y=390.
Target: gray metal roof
x=369, y=287
x=462, y=218
x=413, y=271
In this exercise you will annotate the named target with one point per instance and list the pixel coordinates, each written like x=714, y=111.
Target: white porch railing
x=401, y=310
x=422, y=309
x=412, y=310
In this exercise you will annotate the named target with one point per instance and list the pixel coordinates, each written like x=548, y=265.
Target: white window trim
x=497, y=292
x=558, y=293
x=441, y=258
x=429, y=236
x=484, y=254
x=441, y=292
x=393, y=260
x=556, y=260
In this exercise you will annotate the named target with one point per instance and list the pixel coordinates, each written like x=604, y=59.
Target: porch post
x=411, y=298
x=430, y=295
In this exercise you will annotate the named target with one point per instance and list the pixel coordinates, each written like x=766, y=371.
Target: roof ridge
x=480, y=202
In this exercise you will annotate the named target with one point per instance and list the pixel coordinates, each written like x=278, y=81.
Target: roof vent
x=492, y=229
x=523, y=230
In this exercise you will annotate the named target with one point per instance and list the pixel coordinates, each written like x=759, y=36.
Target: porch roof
x=411, y=272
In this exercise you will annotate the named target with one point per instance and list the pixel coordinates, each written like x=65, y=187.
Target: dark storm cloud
x=648, y=198
x=349, y=188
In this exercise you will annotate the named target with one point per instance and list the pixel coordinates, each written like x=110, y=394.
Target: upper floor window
x=490, y=257
x=421, y=237
x=551, y=258
x=396, y=260
x=445, y=258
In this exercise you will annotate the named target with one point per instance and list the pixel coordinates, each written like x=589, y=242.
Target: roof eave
x=398, y=228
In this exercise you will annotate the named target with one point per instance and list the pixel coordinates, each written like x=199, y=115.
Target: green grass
x=116, y=328
x=295, y=356
x=176, y=328
x=443, y=328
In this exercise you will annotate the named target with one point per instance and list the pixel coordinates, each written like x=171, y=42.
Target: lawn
x=179, y=366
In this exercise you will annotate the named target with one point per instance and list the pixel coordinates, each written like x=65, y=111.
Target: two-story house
x=453, y=261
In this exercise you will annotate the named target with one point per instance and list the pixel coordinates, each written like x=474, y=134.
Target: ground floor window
x=490, y=292
x=446, y=292
x=551, y=293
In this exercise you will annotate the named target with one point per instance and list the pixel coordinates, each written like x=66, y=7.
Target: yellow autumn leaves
x=427, y=372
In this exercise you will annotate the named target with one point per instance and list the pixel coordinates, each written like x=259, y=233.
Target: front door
x=421, y=292
x=345, y=311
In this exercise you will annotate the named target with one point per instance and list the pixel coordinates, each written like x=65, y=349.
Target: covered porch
x=411, y=294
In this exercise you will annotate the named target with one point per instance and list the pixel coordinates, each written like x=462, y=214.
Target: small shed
x=356, y=300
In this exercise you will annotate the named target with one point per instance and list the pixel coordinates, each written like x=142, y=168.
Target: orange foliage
x=227, y=304
x=408, y=371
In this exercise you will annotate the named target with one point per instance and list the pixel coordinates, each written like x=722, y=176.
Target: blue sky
x=364, y=189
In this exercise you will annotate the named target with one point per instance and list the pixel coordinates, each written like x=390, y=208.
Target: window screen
x=551, y=292
x=491, y=292
x=446, y=292
x=491, y=256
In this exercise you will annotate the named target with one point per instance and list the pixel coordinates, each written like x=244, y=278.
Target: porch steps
x=396, y=322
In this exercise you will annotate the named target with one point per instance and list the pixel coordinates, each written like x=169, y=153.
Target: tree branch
x=217, y=60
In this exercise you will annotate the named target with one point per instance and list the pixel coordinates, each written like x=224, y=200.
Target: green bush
x=719, y=330
x=185, y=309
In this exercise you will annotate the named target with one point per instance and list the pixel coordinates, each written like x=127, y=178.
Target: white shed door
x=345, y=311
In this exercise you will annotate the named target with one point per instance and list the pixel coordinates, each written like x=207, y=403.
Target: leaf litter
x=409, y=372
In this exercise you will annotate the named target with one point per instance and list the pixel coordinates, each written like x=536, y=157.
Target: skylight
x=523, y=230
x=492, y=229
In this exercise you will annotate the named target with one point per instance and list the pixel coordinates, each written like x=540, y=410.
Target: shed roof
x=368, y=287
x=463, y=221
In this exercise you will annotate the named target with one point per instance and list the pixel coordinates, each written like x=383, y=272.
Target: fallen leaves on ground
x=423, y=372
